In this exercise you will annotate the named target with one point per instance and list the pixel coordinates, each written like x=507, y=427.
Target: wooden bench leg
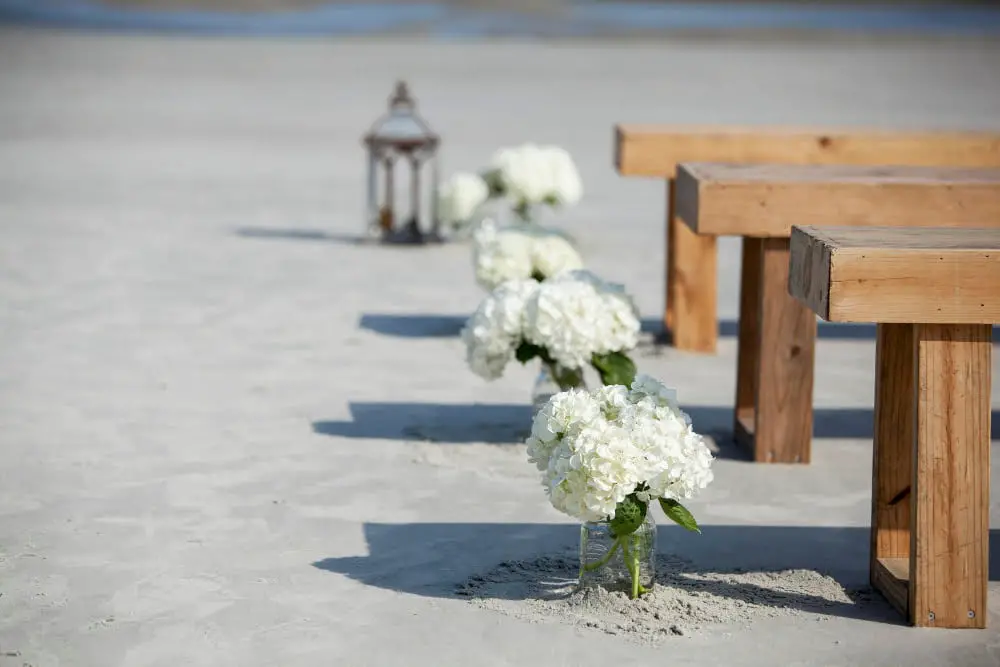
x=748, y=343
x=950, y=511
x=933, y=565
x=892, y=461
x=690, y=314
x=785, y=352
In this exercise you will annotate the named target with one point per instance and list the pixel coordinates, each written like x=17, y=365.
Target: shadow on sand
x=435, y=559
x=500, y=423
x=442, y=326
x=445, y=326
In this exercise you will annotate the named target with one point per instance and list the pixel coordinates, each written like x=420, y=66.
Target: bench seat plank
x=881, y=274
x=767, y=200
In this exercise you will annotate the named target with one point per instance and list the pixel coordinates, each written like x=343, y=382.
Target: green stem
x=607, y=557
x=631, y=563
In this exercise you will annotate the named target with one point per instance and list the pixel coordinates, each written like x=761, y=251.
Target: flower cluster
x=576, y=315
x=531, y=175
x=495, y=330
x=517, y=253
x=460, y=197
x=572, y=319
x=595, y=449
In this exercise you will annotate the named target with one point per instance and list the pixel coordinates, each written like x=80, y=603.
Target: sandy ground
x=231, y=436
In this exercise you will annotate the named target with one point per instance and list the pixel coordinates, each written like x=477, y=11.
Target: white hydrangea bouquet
x=605, y=455
x=529, y=176
x=516, y=253
x=460, y=199
x=569, y=321
x=524, y=177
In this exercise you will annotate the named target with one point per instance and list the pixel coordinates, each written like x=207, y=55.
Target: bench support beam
x=930, y=489
x=691, y=288
x=777, y=340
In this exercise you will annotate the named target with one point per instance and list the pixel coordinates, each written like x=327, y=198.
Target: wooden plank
x=881, y=274
x=784, y=383
x=891, y=577
x=692, y=286
x=671, y=268
x=950, y=505
x=656, y=150
x=809, y=269
x=892, y=466
x=748, y=343
x=767, y=200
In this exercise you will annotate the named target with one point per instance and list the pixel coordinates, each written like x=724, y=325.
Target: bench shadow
x=835, y=423
x=438, y=326
x=440, y=559
x=824, y=331
x=314, y=235
x=460, y=423
x=422, y=325
x=510, y=423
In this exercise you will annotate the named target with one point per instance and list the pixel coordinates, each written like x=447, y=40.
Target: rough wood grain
x=767, y=200
x=950, y=505
x=691, y=287
x=656, y=150
x=891, y=577
x=946, y=276
x=784, y=383
x=748, y=343
x=892, y=467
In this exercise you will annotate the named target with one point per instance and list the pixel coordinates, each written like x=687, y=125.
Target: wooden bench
x=774, y=378
x=935, y=294
x=656, y=150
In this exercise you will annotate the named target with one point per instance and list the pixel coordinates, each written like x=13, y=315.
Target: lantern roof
x=401, y=127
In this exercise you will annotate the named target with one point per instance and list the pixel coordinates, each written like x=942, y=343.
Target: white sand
x=684, y=599
x=230, y=436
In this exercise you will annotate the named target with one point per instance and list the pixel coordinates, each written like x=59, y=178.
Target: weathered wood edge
x=686, y=195
x=809, y=269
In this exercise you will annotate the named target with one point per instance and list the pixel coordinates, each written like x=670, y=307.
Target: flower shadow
x=518, y=561
x=419, y=325
x=459, y=423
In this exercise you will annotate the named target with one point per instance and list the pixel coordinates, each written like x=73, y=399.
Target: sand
x=684, y=599
x=232, y=436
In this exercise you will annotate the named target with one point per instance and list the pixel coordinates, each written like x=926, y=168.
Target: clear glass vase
x=551, y=380
x=625, y=563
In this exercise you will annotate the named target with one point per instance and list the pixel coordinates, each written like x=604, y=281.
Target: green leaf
x=614, y=368
x=526, y=352
x=679, y=514
x=629, y=515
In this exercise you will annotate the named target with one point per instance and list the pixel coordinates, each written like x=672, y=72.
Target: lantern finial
x=401, y=97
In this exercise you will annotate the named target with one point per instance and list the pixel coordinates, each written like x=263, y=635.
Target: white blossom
x=595, y=448
x=517, y=253
x=531, y=175
x=573, y=316
x=576, y=315
x=494, y=331
x=460, y=197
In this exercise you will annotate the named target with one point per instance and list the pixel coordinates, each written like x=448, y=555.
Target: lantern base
x=411, y=234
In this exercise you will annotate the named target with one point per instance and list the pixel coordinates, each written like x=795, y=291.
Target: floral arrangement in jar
x=516, y=253
x=570, y=321
x=530, y=176
x=605, y=455
x=522, y=179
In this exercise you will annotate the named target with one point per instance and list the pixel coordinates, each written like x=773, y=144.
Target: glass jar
x=626, y=563
x=552, y=379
